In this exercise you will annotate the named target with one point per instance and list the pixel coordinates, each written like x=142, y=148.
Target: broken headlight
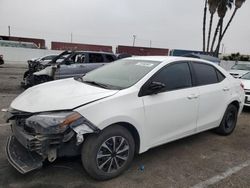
x=55, y=122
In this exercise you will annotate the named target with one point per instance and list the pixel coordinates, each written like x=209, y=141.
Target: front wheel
x=108, y=154
x=229, y=121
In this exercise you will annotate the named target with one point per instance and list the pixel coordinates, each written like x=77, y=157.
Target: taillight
x=242, y=86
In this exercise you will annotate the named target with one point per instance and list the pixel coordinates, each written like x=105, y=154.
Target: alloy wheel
x=112, y=154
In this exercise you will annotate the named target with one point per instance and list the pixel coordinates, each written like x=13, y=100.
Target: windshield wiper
x=96, y=84
x=79, y=78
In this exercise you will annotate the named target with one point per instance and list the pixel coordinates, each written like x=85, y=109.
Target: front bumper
x=26, y=152
x=247, y=100
x=20, y=158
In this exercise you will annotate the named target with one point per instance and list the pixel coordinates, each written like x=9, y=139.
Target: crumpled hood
x=238, y=73
x=59, y=95
x=246, y=83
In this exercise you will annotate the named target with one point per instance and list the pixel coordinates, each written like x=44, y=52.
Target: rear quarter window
x=220, y=76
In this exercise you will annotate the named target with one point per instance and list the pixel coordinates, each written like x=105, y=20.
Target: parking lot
x=203, y=160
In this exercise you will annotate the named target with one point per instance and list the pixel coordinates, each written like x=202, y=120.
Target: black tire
x=229, y=121
x=114, y=165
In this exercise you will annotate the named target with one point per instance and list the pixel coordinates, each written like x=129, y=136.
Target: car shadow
x=246, y=109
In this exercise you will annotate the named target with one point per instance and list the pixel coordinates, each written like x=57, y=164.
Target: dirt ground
x=203, y=160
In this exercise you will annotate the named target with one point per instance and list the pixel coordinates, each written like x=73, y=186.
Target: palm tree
x=238, y=4
x=213, y=4
x=221, y=10
x=204, y=26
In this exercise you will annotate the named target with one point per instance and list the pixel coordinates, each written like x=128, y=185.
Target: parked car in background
x=240, y=69
x=1, y=60
x=65, y=65
x=245, y=79
x=118, y=110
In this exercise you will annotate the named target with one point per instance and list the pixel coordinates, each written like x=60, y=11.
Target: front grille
x=21, y=123
x=33, y=141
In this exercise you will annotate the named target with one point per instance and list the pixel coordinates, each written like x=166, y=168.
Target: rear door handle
x=193, y=96
x=226, y=89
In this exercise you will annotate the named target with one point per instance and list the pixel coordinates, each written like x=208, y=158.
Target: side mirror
x=156, y=87
x=152, y=88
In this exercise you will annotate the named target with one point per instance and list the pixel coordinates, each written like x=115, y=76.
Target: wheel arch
x=134, y=132
x=235, y=103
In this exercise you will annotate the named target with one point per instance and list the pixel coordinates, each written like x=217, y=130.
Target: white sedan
x=245, y=79
x=121, y=109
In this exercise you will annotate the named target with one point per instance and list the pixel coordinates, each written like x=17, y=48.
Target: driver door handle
x=226, y=89
x=193, y=96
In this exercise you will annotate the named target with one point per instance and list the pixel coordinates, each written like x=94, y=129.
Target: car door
x=73, y=66
x=214, y=91
x=171, y=113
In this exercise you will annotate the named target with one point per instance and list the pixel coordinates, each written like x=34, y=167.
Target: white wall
x=13, y=55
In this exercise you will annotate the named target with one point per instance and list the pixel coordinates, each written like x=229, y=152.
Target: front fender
x=125, y=120
x=48, y=71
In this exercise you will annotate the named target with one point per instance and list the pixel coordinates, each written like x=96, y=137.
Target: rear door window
x=96, y=58
x=205, y=74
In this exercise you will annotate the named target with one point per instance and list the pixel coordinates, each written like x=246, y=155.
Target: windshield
x=241, y=67
x=121, y=74
x=246, y=76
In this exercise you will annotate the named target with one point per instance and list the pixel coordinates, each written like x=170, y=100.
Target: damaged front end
x=45, y=136
x=38, y=76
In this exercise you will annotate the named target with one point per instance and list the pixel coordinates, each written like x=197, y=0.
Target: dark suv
x=67, y=64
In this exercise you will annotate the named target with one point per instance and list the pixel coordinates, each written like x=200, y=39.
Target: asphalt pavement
x=203, y=160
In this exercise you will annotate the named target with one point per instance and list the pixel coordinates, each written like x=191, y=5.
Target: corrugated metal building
x=39, y=42
x=77, y=46
x=135, y=50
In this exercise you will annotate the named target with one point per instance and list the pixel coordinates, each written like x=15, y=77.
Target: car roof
x=96, y=52
x=167, y=59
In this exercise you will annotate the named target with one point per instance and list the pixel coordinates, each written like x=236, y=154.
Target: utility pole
x=134, y=36
x=71, y=37
x=150, y=43
x=9, y=30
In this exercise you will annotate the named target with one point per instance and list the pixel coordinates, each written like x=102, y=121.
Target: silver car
x=67, y=64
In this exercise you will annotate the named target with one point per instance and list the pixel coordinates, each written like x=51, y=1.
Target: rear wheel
x=108, y=154
x=229, y=121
